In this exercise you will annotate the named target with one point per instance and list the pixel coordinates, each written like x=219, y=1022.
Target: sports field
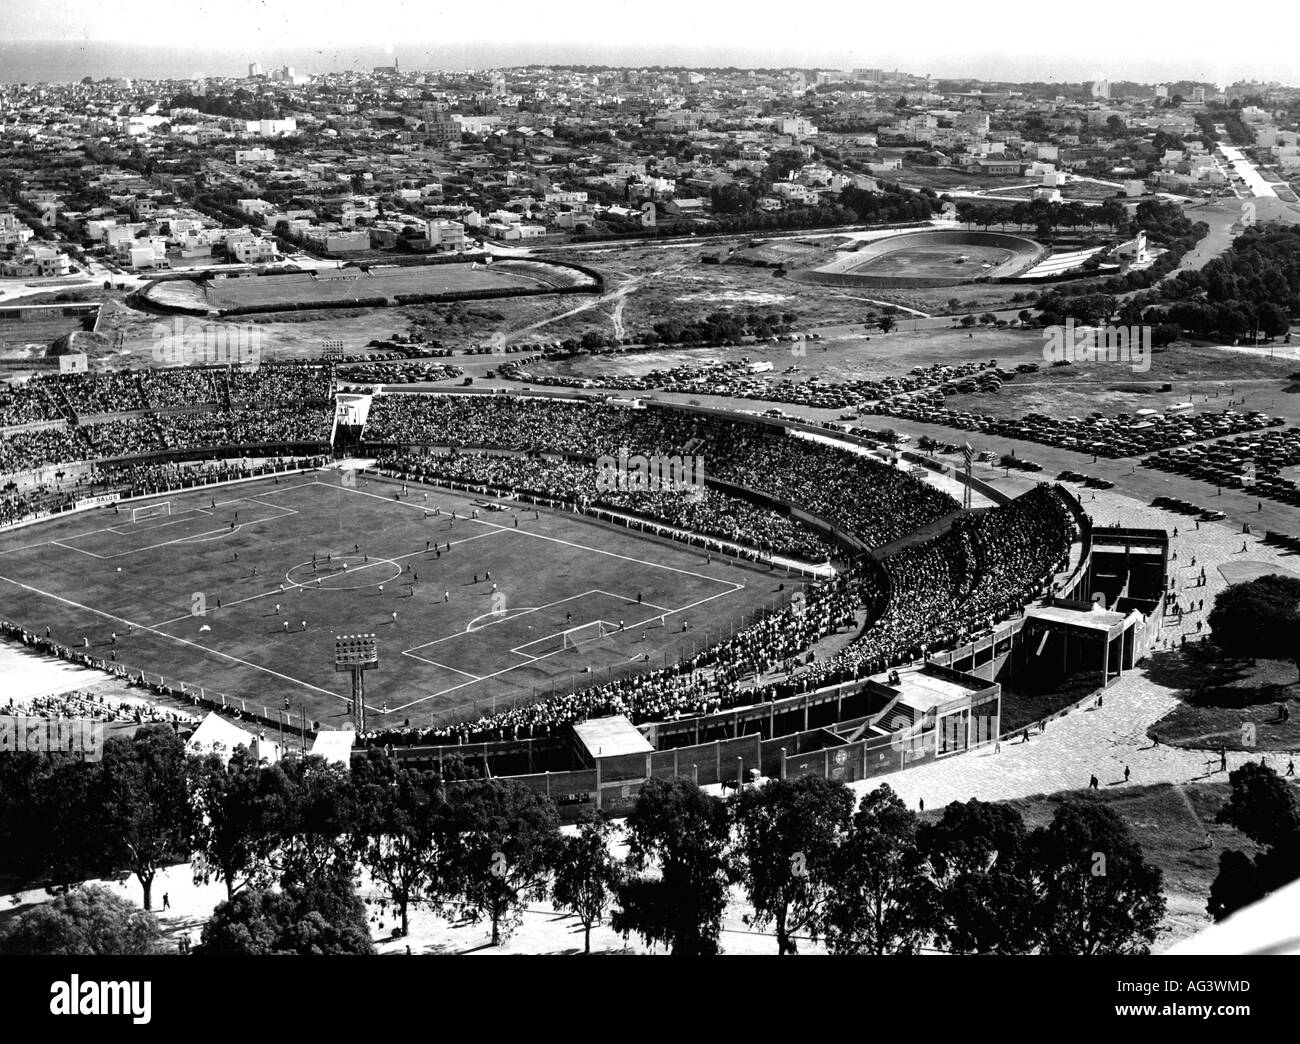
x=337, y=285
x=223, y=593
x=967, y=260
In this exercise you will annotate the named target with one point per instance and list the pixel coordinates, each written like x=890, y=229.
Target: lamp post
x=356, y=654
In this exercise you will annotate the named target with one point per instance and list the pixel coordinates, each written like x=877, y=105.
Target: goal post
x=146, y=511
x=587, y=632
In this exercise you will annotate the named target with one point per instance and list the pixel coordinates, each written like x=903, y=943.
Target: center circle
x=344, y=573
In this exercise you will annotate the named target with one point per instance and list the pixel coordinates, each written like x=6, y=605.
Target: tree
x=886, y=323
x=404, y=834
x=787, y=834
x=321, y=916
x=686, y=832
x=968, y=321
x=89, y=921
x=148, y=819
x=239, y=814
x=1264, y=808
x=1096, y=894
x=586, y=874
x=880, y=900
x=319, y=830
x=506, y=840
x=976, y=858
x=1259, y=618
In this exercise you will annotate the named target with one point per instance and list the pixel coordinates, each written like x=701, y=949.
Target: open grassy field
x=350, y=283
x=1171, y=822
x=216, y=596
x=1219, y=697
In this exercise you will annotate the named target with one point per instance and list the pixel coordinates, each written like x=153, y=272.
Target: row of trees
x=1041, y=215
x=288, y=840
x=1253, y=286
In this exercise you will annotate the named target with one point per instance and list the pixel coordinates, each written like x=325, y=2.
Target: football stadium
x=805, y=605
x=929, y=259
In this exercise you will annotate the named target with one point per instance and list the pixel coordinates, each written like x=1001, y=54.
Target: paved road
x=1248, y=173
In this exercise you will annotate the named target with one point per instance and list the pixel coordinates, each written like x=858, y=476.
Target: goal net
x=147, y=511
x=587, y=632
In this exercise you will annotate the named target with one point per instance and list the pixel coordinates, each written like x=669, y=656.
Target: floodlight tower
x=356, y=654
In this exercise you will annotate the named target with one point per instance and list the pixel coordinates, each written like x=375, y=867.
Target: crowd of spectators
x=94, y=393
x=935, y=594
x=984, y=569
x=32, y=502
x=695, y=509
x=279, y=386
x=182, y=387
x=197, y=408
x=23, y=450
x=121, y=438
x=874, y=501
x=699, y=684
x=132, y=479
x=94, y=707
x=27, y=404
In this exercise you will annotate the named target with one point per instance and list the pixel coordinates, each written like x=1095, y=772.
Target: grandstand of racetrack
x=75, y=441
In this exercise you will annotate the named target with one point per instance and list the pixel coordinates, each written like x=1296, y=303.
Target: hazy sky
x=1013, y=39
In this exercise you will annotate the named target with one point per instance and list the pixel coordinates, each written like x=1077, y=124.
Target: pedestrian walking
x=1093, y=782
x=1126, y=773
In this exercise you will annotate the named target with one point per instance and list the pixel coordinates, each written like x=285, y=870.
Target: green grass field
x=197, y=612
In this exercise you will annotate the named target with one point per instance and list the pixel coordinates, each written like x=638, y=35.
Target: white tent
x=335, y=746
x=216, y=735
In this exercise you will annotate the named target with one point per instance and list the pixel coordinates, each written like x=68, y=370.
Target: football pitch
x=241, y=590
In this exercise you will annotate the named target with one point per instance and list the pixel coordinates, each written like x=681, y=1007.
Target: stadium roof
x=610, y=737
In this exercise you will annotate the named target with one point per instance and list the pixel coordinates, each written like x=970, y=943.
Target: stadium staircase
x=63, y=403
x=930, y=531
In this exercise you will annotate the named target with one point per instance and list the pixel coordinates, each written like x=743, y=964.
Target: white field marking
x=501, y=615
x=350, y=571
x=445, y=667
x=141, y=527
x=556, y=540
x=649, y=605
x=169, y=637
x=114, y=528
x=534, y=659
x=211, y=534
x=611, y=554
x=503, y=619
x=228, y=605
x=518, y=650
x=268, y=493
